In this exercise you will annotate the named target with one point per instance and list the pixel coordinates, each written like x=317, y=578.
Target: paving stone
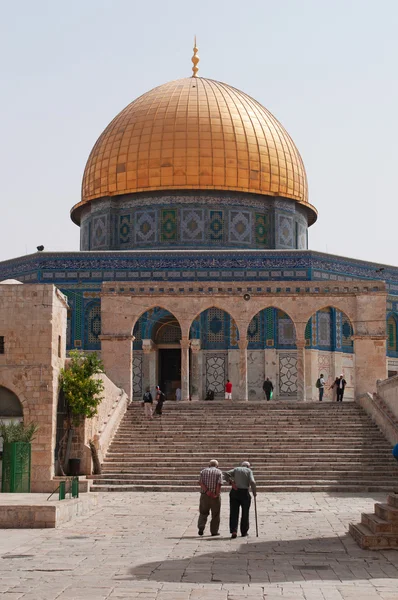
x=303, y=552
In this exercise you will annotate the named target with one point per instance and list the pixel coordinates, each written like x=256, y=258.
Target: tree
x=83, y=394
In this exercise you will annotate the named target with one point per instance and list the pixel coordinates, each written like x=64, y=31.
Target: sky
x=326, y=70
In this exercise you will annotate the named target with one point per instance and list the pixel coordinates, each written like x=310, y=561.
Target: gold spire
x=195, y=59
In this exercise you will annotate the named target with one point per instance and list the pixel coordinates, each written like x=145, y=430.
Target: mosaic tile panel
x=346, y=334
x=99, y=237
x=145, y=230
x=324, y=328
x=92, y=326
x=168, y=225
x=261, y=229
x=284, y=231
x=192, y=225
x=391, y=334
x=286, y=330
x=239, y=226
x=308, y=333
x=254, y=332
x=124, y=229
x=216, y=225
x=270, y=327
x=137, y=375
x=302, y=237
x=216, y=372
x=287, y=374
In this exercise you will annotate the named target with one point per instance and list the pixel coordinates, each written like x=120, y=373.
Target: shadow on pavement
x=330, y=558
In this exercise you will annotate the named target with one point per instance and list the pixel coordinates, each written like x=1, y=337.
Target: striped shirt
x=211, y=477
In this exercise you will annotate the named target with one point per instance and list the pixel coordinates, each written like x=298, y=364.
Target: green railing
x=16, y=467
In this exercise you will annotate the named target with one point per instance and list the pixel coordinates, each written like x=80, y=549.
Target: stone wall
x=103, y=426
x=388, y=391
x=33, y=324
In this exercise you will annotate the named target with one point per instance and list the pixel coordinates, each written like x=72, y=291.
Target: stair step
x=293, y=447
x=368, y=540
x=376, y=524
x=387, y=512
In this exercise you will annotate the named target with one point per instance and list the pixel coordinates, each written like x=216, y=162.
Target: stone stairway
x=379, y=530
x=292, y=447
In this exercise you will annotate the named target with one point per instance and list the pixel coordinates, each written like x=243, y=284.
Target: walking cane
x=255, y=514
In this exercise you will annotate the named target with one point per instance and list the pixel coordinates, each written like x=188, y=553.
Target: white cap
x=246, y=464
x=341, y=374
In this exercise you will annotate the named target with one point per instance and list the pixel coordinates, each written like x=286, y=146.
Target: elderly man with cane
x=241, y=479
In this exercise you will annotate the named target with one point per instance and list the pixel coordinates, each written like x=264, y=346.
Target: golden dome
x=197, y=134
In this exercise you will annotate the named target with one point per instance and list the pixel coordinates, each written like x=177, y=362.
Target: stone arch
x=272, y=353
x=214, y=340
x=10, y=404
x=157, y=336
x=271, y=327
x=329, y=350
x=329, y=329
x=346, y=306
x=153, y=322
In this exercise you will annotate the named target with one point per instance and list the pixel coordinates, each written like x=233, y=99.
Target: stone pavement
x=145, y=546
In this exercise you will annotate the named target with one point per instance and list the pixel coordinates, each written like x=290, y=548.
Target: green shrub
x=18, y=432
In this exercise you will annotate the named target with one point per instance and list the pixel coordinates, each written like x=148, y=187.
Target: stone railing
x=380, y=414
x=104, y=425
x=388, y=391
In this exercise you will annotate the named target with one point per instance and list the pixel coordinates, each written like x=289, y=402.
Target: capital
x=195, y=346
x=147, y=346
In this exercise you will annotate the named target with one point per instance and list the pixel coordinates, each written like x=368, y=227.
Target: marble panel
x=255, y=374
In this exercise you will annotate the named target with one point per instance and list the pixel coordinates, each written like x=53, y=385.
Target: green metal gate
x=16, y=467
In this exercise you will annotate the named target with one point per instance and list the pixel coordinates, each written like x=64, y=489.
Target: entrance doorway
x=170, y=371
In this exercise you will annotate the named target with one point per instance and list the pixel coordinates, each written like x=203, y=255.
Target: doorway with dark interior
x=170, y=371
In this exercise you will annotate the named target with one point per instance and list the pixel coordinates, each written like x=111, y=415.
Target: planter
x=74, y=466
x=16, y=467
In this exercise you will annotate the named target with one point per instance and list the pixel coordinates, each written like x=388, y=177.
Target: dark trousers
x=321, y=390
x=206, y=505
x=159, y=406
x=268, y=394
x=340, y=394
x=239, y=499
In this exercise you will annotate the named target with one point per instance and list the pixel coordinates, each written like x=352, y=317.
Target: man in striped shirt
x=210, y=481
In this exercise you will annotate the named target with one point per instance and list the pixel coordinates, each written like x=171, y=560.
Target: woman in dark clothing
x=160, y=398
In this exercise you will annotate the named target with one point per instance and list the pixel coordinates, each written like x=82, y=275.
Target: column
x=185, y=395
x=196, y=387
x=300, y=344
x=149, y=377
x=243, y=388
x=117, y=356
x=370, y=362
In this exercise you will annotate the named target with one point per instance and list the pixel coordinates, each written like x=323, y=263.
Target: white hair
x=246, y=464
x=213, y=463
